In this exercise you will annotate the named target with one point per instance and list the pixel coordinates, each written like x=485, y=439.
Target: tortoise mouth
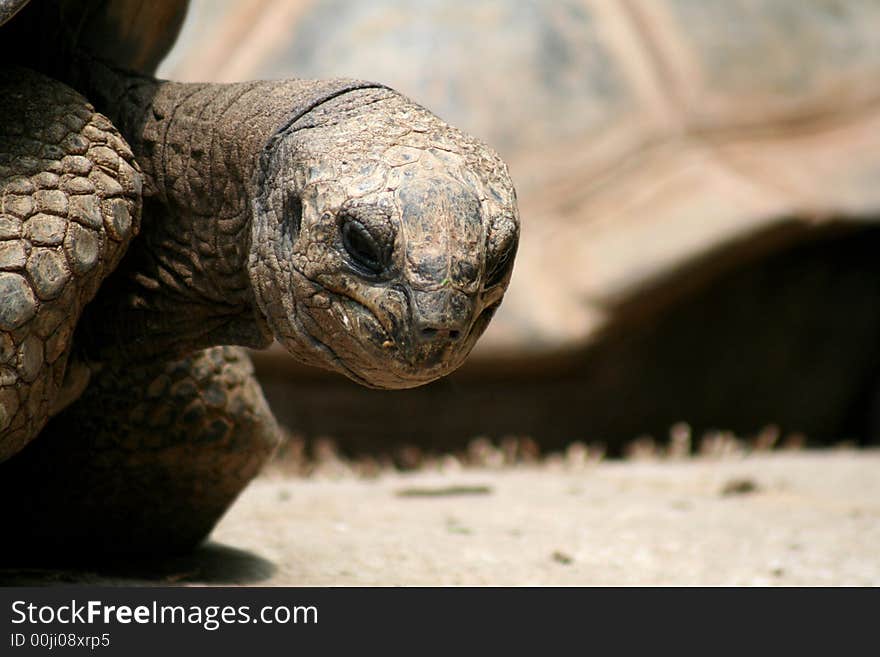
x=389, y=354
x=374, y=348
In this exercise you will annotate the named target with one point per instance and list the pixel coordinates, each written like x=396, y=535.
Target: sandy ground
x=795, y=518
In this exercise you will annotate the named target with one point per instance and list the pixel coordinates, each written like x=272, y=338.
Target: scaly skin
x=146, y=461
x=150, y=454
x=70, y=201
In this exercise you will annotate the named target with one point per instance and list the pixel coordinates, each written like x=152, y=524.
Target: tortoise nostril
x=440, y=317
x=432, y=333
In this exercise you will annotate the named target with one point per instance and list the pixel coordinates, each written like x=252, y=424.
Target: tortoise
x=149, y=230
x=699, y=186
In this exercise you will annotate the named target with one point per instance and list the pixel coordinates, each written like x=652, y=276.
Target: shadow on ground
x=211, y=563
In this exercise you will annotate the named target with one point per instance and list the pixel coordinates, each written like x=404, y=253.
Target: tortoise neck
x=183, y=284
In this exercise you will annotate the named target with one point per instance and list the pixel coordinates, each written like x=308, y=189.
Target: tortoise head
x=383, y=239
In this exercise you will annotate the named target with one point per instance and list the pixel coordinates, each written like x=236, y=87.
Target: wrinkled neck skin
x=184, y=283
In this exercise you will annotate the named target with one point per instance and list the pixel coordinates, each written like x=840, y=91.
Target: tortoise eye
x=361, y=247
x=498, y=267
x=293, y=211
